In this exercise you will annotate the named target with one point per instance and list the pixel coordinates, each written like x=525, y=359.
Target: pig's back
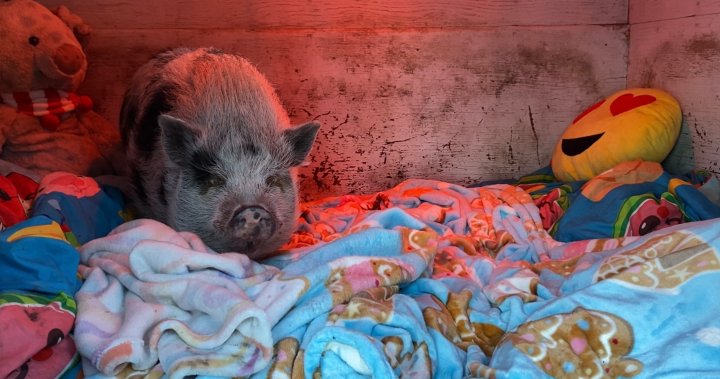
x=221, y=92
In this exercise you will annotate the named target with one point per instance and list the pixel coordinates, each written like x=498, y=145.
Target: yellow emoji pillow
x=633, y=124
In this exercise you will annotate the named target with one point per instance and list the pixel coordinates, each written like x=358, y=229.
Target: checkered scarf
x=45, y=103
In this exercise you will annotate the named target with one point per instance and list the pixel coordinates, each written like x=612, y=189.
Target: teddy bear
x=44, y=125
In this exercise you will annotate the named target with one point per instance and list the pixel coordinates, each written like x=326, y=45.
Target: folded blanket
x=153, y=294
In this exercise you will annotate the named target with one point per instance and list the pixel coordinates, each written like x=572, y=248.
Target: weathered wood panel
x=459, y=106
x=459, y=90
x=334, y=14
x=656, y=10
x=682, y=56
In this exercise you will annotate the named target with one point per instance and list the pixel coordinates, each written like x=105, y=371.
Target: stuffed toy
x=606, y=180
x=17, y=192
x=633, y=124
x=44, y=125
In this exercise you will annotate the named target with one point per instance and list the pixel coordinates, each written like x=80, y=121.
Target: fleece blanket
x=427, y=279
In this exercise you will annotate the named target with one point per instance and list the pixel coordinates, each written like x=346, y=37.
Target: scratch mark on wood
x=510, y=79
x=700, y=132
x=534, y=132
x=405, y=140
x=512, y=156
x=449, y=144
x=347, y=117
x=398, y=141
x=320, y=115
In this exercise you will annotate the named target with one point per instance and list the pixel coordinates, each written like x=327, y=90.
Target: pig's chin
x=253, y=249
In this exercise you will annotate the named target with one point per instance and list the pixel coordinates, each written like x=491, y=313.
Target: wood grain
x=460, y=106
x=682, y=56
x=657, y=10
x=461, y=90
x=334, y=14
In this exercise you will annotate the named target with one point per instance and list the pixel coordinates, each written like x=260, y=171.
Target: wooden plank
x=334, y=14
x=656, y=10
x=683, y=57
x=458, y=106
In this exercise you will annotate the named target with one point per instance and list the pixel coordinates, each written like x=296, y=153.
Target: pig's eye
x=214, y=181
x=275, y=181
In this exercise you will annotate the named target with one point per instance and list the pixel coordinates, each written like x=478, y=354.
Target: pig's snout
x=252, y=224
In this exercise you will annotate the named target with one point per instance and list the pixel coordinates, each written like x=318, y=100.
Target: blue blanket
x=427, y=279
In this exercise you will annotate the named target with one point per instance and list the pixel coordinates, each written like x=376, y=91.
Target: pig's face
x=237, y=190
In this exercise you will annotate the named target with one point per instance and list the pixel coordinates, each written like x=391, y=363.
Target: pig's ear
x=301, y=139
x=177, y=137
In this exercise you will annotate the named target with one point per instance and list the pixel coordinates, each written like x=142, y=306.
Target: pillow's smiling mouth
x=574, y=146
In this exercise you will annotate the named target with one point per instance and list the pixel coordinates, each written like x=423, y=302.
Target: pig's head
x=235, y=187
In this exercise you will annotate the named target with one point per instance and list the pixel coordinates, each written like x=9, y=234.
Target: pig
x=210, y=150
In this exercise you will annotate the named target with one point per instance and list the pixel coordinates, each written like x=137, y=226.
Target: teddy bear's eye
x=33, y=40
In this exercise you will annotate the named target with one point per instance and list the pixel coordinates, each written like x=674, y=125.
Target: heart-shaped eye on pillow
x=633, y=124
x=592, y=108
x=628, y=101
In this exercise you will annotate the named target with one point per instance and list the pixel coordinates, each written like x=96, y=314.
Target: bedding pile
x=427, y=279
x=41, y=226
x=632, y=199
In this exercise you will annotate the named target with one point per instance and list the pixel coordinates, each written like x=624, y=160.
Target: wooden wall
x=454, y=90
x=675, y=45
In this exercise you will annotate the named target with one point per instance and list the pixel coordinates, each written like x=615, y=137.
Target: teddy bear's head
x=40, y=49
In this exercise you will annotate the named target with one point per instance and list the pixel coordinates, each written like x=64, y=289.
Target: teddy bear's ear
x=80, y=29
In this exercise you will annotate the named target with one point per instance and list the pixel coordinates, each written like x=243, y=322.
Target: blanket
x=38, y=267
x=427, y=279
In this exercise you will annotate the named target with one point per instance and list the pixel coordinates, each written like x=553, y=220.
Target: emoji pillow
x=633, y=124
